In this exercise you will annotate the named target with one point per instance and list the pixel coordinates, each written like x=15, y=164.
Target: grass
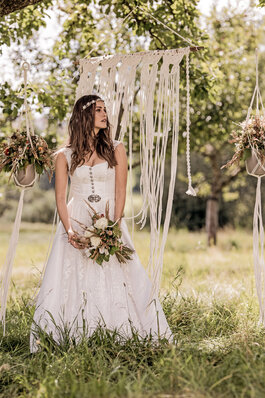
x=208, y=295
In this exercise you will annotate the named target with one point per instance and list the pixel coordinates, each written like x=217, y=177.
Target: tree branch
x=229, y=178
x=7, y=6
x=157, y=38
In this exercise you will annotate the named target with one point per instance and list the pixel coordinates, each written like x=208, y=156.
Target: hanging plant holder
x=25, y=177
x=25, y=155
x=254, y=166
x=249, y=141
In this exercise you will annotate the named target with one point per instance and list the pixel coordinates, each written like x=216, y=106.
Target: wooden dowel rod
x=193, y=49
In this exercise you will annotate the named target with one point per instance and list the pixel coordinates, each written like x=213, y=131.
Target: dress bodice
x=97, y=180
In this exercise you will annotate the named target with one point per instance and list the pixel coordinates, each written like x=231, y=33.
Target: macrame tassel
x=8, y=265
x=258, y=251
x=191, y=191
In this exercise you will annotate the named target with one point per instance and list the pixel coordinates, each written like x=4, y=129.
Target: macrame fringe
x=113, y=77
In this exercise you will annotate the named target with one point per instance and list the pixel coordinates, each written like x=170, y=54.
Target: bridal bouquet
x=19, y=152
x=102, y=239
x=250, y=135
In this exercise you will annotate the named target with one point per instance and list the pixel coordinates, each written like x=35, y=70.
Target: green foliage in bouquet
x=250, y=135
x=18, y=152
x=102, y=239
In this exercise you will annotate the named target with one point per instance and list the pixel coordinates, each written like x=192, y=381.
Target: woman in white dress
x=76, y=291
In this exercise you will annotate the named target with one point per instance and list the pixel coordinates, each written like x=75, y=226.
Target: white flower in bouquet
x=95, y=241
x=87, y=252
x=101, y=223
x=88, y=234
x=103, y=250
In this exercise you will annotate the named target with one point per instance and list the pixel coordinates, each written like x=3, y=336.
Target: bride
x=76, y=291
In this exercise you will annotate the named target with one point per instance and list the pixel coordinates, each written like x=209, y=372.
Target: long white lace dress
x=75, y=289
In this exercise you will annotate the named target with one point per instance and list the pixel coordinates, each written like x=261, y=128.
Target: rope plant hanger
x=255, y=166
x=249, y=142
x=25, y=155
x=23, y=179
x=114, y=79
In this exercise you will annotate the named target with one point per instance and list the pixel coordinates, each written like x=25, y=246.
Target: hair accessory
x=91, y=103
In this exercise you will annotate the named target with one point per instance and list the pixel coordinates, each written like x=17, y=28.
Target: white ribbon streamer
x=8, y=265
x=258, y=252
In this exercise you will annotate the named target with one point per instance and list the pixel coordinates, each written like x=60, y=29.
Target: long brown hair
x=82, y=137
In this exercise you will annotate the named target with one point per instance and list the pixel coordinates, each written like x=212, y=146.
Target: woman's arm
x=121, y=170
x=61, y=182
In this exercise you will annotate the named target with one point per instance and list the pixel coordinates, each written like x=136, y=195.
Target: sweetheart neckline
x=97, y=164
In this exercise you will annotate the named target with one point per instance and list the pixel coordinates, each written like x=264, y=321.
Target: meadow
x=209, y=297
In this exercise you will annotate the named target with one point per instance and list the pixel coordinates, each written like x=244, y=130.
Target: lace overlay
x=75, y=290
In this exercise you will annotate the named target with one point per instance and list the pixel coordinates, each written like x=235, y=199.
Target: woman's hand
x=71, y=236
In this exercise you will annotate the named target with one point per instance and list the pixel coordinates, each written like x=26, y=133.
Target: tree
x=81, y=29
x=232, y=50
x=7, y=6
x=17, y=27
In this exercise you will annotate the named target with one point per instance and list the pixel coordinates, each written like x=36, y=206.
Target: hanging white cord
x=166, y=26
x=7, y=267
x=104, y=38
x=257, y=81
x=258, y=251
x=256, y=94
x=26, y=67
x=150, y=15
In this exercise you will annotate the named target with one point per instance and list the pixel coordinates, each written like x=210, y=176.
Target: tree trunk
x=212, y=206
x=7, y=6
x=218, y=181
x=212, y=209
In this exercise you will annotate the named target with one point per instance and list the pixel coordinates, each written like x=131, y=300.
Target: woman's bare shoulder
x=67, y=152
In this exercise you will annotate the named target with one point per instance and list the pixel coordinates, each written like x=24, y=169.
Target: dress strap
x=67, y=153
x=116, y=143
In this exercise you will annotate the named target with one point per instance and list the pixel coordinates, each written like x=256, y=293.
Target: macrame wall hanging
x=155, y=75
x=256, y=168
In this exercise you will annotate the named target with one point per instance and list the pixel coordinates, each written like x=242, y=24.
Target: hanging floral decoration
x=18, y=152
x=250, y=135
